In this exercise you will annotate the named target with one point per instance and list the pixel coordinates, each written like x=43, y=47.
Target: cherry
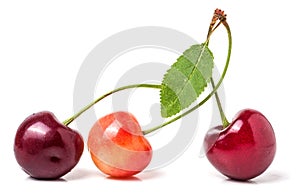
x=245, y=148
x=46, y=148
x=117, y=145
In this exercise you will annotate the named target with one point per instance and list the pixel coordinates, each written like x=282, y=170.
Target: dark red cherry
x=45, y=148
x=245, y=148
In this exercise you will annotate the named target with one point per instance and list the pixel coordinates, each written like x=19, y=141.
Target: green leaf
x=186, y=79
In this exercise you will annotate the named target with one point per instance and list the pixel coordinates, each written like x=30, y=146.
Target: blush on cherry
x=117, y=145
x=45, y=148
x=245, y=148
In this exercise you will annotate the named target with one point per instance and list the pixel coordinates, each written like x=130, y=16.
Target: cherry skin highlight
x=117, y=145
x=244, y=149
x=45, y=148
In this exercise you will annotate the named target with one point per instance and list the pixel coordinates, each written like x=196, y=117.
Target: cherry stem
x=218, y=15
x=225, y=122
x=215, y=88
x=71, y=119
x=156, y=86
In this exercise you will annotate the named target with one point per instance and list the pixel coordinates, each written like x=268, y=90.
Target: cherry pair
x=47, y=149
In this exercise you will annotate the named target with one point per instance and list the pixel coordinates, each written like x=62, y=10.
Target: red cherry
x=244, y=149
x=117, y=145
x=46, y=148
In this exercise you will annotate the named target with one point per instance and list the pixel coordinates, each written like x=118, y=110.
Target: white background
x=42, y=46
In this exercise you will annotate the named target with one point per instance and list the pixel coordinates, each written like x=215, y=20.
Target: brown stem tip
x=219, y=14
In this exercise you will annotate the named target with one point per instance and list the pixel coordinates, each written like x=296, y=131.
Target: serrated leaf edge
x=204, y=45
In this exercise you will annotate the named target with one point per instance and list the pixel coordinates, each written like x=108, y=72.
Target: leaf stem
x=71, y=119
x=213, y=92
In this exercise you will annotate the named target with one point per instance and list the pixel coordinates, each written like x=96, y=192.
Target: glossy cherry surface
x=244, y=149
x=118, y=146
x=45, y=148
